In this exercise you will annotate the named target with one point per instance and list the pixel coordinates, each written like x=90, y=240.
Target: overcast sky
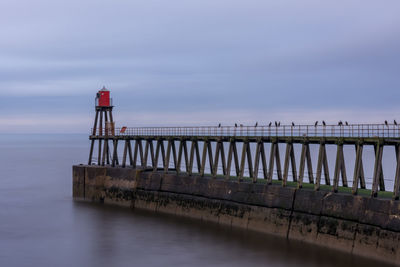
x=197, y=62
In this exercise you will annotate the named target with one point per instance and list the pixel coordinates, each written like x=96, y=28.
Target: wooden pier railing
x=353, y=130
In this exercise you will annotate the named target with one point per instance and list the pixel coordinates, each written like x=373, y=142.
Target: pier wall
x=356, y=224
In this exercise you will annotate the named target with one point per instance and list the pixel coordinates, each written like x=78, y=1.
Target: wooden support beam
x=159, y=149
x=210, y=156
x=130, y=153
x=101, y=124
x=146, y=152
x=249, y=160
x=257, y=161
x=106, y=132
x=135, y=152
x=115, y=153
x=191, y=159
x=243, y=160
x=223, y=158
x=264, y=161
x=113, y=158
x=272, y=155
x=289, y=159
x=214, y=169
x=396, y=187
x=99, y=153
x=343, y=171
x=108, y=152
x=124, y=154
x=91, y=152
x=141, y=152
x=362, y=177
x=111, y=116
x=116, y=156
x=152, y=156
x=206, y=148
x=286, y=164
x=232, y=155
x=236, y=159
x=229, y=161
x=198, y=159
x=322, y=162
x=180, y=151
x=381, y=177
x=377, y=169
x=357, y=169
x=162, y=151
x=185, y=151
x=302, y=165
x=339, y=169
x=204, y=158
x=105, y=149
x=105, y=116
x=309, y=165
x=174, y=157
x=95, y=123
x=278, y=162
x=326, y=168
x=157, y=155
x=293, y=164
x=168, y=156
x=194, y=152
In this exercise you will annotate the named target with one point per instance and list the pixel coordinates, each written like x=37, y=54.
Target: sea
x=41, y=224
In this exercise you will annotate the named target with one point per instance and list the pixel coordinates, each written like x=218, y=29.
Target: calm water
x=40, y=224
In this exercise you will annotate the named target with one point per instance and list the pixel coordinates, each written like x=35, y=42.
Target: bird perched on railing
x=340, y=123
x=316, y=123
x=276, y=124
x=395, y=122
x=347, y=124
x=270, y=123
x=219, y=125
x=279, y=123
x=256, y=124
x=386, y=123
x=235, y=124
x=293, y=124
x=323, y=123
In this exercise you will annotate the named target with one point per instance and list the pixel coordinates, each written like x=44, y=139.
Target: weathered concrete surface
x=359, y=225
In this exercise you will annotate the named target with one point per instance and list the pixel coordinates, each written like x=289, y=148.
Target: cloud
x=246, y=117
x=44, y=124
x=56, y=123
x=183, y=57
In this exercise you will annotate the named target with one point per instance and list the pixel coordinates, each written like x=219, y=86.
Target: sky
x=203, y=62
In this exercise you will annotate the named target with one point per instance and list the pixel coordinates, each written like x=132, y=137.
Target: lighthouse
x=103, y=127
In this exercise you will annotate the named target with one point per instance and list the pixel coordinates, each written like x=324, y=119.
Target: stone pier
x=355, y=224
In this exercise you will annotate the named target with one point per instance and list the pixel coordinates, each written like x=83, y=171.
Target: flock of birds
x=278, y=123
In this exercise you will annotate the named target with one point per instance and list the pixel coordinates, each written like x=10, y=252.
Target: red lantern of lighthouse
x=103, y=98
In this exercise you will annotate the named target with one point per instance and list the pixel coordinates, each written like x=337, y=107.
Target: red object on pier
x=103, y=98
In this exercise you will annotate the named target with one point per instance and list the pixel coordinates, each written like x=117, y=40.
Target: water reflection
x=149, y=239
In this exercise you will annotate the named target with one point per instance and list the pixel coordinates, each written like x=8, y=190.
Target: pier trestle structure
x=240, y=153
